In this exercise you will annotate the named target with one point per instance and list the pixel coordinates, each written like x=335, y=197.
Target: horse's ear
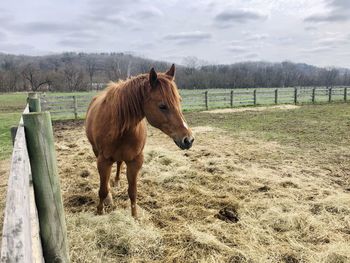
x=153, y=78
x=171, y=71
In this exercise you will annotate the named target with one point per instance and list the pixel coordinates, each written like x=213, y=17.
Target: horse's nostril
x=186, y=141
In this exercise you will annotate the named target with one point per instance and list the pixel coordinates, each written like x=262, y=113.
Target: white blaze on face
x=185, y=124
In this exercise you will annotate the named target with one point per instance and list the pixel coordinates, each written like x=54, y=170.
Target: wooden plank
x=206, y=99
x=20, y=224
x=276, y=96
x=75, y=107
x=254, y=96
x=48, y=198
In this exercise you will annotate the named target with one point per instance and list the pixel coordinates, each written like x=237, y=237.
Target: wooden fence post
x=231, y=99
x=32, y=95
x=313, y=95
x=330, y=94
x=75, y=107
x=254, y=96
x=276, y=96
x=48, y=198
x=295, y=95
x=206, y=99
x=345, y=94
x=34, y=103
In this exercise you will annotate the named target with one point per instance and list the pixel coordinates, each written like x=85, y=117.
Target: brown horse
x=116, y=128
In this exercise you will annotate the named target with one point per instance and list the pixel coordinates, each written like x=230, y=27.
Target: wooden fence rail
x=76, y=106
x=20, y=236
x=34, y=227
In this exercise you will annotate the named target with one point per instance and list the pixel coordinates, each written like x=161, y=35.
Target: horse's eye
x=163, y=107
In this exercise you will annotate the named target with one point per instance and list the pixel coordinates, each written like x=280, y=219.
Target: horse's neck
x=129, y=105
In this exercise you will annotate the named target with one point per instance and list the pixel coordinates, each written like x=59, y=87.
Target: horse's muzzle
x=185, y=143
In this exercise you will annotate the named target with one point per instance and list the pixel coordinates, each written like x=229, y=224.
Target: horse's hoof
x=100, y=211
x=108, y=200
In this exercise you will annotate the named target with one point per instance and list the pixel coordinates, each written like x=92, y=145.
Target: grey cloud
x=149, y=12
x=13, y=48
x=319, y=49
x=339, y=4
x=257, y=37
x=236, y=49
x=74, y=42
x=339, y=12
x=188, y=36
x=2, y=36
x=45, y=28
x=310, y=28
x=333, y=17
x=251, y=56
x=238, y=16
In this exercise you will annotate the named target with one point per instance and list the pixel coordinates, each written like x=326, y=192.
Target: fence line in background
x=76, y=106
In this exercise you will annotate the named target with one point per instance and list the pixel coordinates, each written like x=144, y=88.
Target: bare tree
x=74, y=78
x=330, y=75
x=113, y=69
x=34, y=76
x=91, y=68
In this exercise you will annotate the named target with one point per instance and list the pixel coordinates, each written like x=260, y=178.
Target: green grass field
x=12, y=104
x=306, y=126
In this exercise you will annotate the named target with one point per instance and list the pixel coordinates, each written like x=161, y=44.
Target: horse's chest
x=128, y=147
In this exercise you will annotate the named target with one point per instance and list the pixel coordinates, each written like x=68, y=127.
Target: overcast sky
x=223, y=31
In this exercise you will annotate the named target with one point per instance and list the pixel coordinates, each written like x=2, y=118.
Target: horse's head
x=163, y=109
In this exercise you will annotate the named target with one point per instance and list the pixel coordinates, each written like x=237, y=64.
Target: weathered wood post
x=330, y=94
x=295, y=95
x=231, y=98
x=345, y=94
x=313, y=95
x=206, y=99
x=254, y=96
x=75, y=107
x=48, y=198
x=276, y=96
x=33, y=102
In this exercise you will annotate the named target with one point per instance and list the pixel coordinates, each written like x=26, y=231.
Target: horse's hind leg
x=104, y=168
x=117, y=175
x=133, y=167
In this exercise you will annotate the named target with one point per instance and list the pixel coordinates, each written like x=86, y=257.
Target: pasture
x=259, y=185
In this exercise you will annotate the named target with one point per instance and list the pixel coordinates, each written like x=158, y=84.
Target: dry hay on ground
x=228, y=199
x=260, y=108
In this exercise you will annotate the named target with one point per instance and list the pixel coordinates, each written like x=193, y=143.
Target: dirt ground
x=227, y=199
x=261, y=108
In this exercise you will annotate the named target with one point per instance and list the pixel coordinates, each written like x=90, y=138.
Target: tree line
x=81, y=71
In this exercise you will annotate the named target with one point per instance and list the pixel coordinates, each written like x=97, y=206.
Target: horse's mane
x=125, y=99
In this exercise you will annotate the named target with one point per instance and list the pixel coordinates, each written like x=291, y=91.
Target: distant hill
x=83, y=71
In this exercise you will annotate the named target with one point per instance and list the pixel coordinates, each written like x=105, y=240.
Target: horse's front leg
x=104, y=168
x=133, y=167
